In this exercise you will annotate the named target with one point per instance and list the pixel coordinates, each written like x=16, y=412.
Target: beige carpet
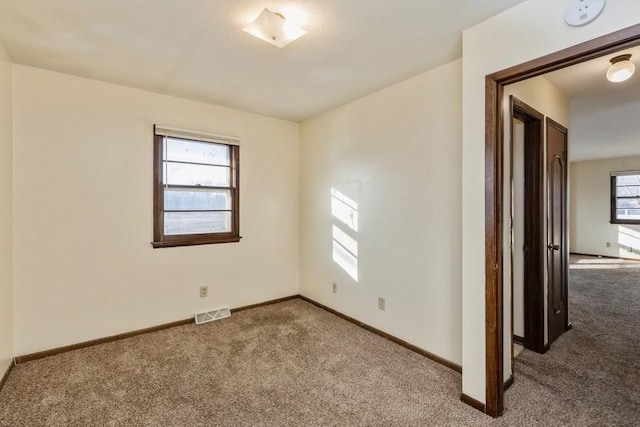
x=285, y=364
x=591, y=374
x=293, y=364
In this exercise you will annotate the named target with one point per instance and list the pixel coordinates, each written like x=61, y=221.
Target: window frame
x=161, y=240
x=614, y=199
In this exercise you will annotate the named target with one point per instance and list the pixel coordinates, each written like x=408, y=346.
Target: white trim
x=625, y=173
x=198, y=136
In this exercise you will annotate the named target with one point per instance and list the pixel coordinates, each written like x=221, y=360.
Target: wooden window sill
x=175, y=243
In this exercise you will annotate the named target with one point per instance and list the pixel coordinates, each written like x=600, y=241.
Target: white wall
x=525, y=32
x=547, y=99
x=396, y=153
x=6, y=213
x=604, y=126
x=542, y=95
x=590, y=210
x=518, y=229
x=83, y=212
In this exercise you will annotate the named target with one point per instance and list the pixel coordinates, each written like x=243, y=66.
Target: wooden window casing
x=160, y=160
x=633, y=197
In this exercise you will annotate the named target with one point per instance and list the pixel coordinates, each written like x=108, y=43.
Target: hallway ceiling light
x=273, y=28
x=621, y=69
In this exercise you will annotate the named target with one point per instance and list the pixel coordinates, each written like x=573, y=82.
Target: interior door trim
x=534, y=232
x=494, y=142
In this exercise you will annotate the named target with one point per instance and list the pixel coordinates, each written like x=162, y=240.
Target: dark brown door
x=557, y=254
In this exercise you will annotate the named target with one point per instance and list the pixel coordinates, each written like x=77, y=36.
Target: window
x=196, y=188
x=625, y=197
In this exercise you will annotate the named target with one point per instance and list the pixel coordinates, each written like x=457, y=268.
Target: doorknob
x=553, y=247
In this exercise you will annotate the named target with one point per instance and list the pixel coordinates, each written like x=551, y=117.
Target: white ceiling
x=588, y=80
x=605, y=116
x=195, y=48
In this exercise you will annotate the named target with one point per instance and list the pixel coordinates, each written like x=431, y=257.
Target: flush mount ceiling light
x=621, y=69
x=274, y=28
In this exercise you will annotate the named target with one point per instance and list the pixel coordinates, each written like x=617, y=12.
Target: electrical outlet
x=608, y=244
x=334, y=288
x=204, y=291
x=381, y=303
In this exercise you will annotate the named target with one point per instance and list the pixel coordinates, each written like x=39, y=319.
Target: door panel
x=557, y=253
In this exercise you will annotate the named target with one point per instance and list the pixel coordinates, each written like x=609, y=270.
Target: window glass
x=625, y=199
x=196, y=175
x=184, y=150
x=190, y=199
x=196, y=198
x=196, y=222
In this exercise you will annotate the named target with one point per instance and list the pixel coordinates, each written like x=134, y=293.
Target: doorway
x=526, y=226
x=536, y=232
x=495, y=84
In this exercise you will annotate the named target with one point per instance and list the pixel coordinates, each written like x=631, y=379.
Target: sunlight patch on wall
x=345, y=252
x=345, y=247
x=628, y=241
x=345, y=209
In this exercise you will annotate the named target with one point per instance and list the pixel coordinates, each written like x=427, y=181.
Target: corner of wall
x=6, y=212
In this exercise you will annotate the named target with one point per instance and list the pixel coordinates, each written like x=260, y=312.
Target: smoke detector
x=582, y=12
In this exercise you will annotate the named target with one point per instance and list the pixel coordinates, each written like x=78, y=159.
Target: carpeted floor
x=591, y=374
x=285, y=364
x=293, y=364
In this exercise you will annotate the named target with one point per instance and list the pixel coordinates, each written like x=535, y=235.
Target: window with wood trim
x=196, y=188
x=625, y=197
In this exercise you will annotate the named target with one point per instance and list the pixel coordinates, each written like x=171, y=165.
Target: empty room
x=243, y=212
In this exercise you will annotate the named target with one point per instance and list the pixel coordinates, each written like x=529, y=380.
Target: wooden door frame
x=494, y=143
x=534, y=233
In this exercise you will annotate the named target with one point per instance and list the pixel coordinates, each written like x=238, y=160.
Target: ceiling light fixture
x=274, y=28
x=621, y=69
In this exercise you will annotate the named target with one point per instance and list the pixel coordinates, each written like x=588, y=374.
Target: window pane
x=628, y=180
x=177, y=199
x=186, y=174
x=629, y=191
x=176, y=223
x=628, y=203
x=628, y=214
x=184, y=150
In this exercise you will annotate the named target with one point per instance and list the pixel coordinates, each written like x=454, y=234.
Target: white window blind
x=625, y=173
x=195, y=135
